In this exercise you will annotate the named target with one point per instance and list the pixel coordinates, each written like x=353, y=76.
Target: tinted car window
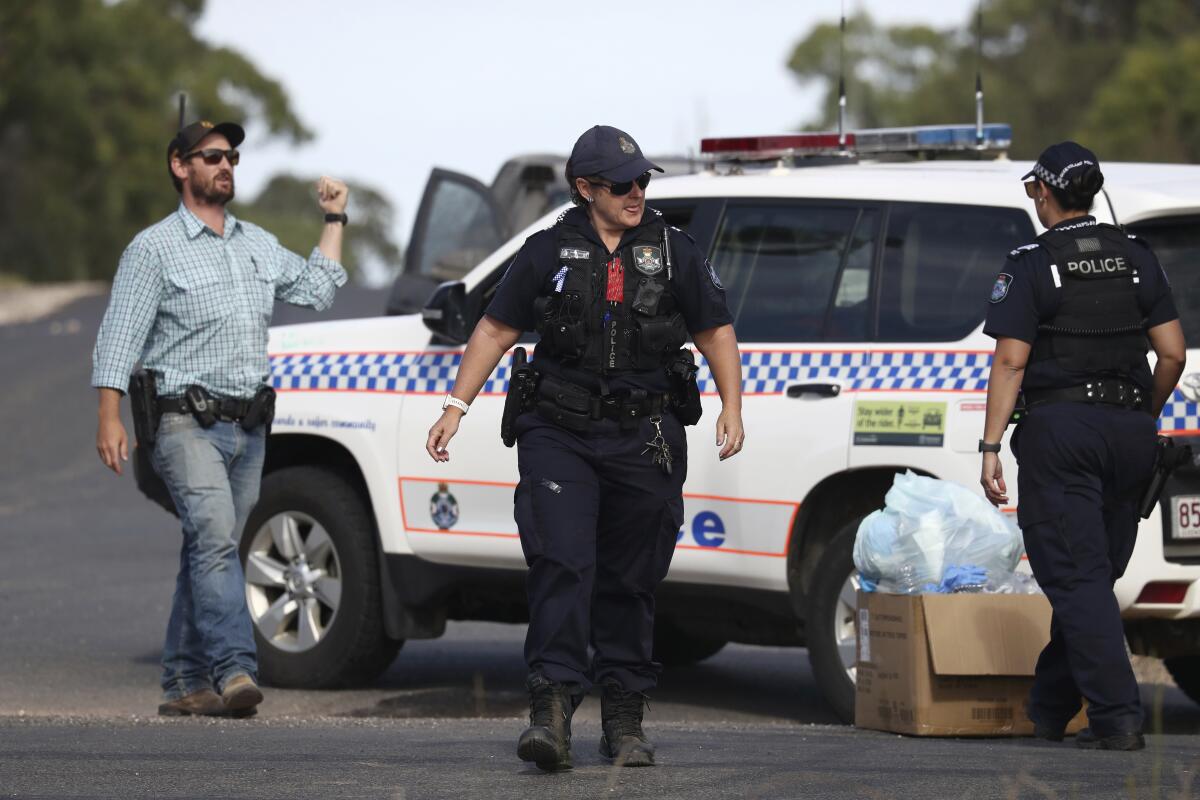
x=461, y=232
x=1176, y=242
x=939, y=263
x=781, y=265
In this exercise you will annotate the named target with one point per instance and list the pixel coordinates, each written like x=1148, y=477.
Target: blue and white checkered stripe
x=1180, y=414
x=764, y=372
x=405, y=373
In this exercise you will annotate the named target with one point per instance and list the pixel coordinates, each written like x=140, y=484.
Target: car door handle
x=819, y=389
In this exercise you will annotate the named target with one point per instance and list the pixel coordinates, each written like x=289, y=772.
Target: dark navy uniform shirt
x=1025, y=296
x=694, y=285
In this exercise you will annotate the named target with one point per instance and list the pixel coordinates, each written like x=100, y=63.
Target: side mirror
x=446, y=312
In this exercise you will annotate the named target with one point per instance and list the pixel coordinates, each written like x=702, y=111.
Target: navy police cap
x=1058, y=163
x=605, y=152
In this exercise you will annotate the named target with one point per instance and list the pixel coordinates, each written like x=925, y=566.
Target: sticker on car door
x=899, y=424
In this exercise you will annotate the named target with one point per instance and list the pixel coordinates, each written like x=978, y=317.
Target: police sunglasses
x=624, y=187
x=213, y=155
x=1031, y=188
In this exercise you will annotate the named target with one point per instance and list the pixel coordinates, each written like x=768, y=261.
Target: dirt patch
x=33, y=302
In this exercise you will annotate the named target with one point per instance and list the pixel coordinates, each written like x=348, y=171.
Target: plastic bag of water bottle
x=936, y=536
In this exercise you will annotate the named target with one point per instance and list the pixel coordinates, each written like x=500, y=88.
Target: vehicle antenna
x=182, y=106
x=842, y=82
x=979, y=77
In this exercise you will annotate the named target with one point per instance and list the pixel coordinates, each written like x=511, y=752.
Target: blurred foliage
x=287, y=207
x=88, y=102
x=1115, y=75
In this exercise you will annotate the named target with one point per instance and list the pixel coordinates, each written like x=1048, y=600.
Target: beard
x=213, y=194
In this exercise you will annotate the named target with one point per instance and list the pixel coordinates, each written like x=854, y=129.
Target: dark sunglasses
x=625, y=187
x=212, y=156
x=1031, y=189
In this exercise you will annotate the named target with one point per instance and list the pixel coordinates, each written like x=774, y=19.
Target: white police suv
x=858, y=284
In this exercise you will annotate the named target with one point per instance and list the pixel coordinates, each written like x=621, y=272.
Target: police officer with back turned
x=192, y=299
x=614, y=293
x=1074, y=314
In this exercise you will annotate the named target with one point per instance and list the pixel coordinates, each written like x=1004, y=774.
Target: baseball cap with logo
x=608, y=153
x=1058, y=163
x=189, y=136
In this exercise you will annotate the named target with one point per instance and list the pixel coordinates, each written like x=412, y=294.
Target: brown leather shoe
x=241, y=696
x=204, y=703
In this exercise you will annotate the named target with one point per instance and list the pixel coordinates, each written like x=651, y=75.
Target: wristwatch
x=451, y=400
x=989, y=447
x=342, y=218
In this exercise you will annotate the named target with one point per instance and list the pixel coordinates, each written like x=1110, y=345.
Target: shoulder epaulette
x=685, y=233
x=1134, y=237
x=1023, y=249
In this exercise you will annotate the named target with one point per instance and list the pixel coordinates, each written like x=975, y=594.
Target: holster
x=1167, y=458
x=201, y=404
x=261, y=411
x=143, y=404
x=521, y=386
x=685, y=391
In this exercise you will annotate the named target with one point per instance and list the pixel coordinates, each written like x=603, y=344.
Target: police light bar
x=871, y=141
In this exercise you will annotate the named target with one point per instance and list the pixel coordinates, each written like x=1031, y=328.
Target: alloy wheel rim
x=293, y=581
x=845, y=625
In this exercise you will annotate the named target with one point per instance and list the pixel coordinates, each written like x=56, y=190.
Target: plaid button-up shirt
x=194, y=306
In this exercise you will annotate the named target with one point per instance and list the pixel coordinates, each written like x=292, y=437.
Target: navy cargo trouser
x=598, y=523
x=1082, y=470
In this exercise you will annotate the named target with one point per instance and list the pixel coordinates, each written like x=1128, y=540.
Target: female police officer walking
x=614, y=293
x=1072, y=314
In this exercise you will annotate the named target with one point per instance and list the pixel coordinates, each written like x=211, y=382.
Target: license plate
x=1186, y=522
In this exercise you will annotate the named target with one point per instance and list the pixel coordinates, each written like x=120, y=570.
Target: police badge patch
x=443, y=508
x=648, y=260
x=712, y=275
x=1000, y=287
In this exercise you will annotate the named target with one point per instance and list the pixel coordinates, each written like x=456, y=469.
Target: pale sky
x=392, y=89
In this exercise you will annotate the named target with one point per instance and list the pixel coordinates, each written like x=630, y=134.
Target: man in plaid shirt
x=192, y=300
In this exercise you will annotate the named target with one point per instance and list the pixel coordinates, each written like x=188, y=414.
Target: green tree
x=1115, y=75
x=287, y=207
x=87, y=105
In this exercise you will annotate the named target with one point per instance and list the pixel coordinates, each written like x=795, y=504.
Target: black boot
x=621, y=716
x=547, y=740
x=1117, y=741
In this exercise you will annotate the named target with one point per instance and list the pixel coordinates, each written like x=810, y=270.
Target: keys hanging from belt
x=662, y=451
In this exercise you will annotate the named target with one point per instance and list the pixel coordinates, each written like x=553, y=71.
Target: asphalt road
x=86, y=574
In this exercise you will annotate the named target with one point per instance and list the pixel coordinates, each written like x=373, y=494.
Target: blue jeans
x=213, y=475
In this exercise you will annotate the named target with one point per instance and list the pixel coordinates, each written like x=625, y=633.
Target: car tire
x=674, y=647
x=1186, y=672
x=831, y=622
x=311, y=562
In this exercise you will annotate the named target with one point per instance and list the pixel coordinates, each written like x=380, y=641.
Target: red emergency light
x=759, y=147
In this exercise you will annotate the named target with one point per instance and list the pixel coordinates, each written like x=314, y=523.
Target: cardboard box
x=949, y=664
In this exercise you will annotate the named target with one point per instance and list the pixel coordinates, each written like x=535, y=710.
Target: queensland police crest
x=1000, y=287
x=648, y=260
x=443, y=507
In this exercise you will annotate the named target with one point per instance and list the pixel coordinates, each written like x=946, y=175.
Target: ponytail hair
x=1081, y=190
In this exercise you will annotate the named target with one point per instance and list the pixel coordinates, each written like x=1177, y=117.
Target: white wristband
x=451, y=400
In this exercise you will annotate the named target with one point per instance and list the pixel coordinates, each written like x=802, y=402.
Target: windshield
x=1176, y=242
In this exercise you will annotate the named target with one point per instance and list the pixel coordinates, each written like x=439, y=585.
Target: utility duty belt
x=208, y=408
x=576, y=408
x=1107, y=391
